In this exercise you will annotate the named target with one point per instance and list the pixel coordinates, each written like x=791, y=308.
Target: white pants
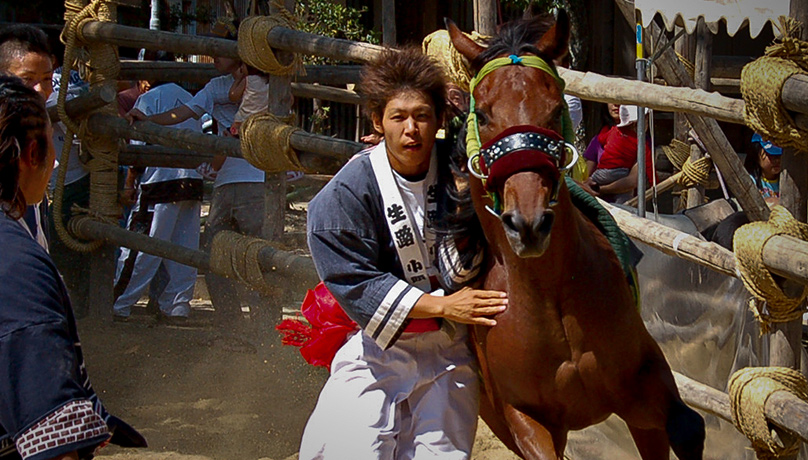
x=176, y=222
x=417, y=400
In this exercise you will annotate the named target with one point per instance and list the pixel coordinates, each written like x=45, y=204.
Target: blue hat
x=770, y=148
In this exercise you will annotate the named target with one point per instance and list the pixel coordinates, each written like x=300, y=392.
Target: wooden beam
x=141, y=156
x=782, y=408
x=201, y=73
x=192, y=72
x=272, y=261
x=302, y=141
x=587, y=86
x=82, y=105
x=783, y=255
x=328, y=93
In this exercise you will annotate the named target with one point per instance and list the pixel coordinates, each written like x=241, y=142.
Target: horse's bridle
x=516, y=148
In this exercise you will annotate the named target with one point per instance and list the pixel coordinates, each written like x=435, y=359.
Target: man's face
x=409, y=125
x=35, y=70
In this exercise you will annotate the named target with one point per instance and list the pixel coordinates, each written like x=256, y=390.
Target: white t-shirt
x=75, y=168
x=162, y=99
x=576, y=110
x=214, y=99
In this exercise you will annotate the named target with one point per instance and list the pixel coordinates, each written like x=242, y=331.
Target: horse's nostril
x=513, y=221
x=545, y=223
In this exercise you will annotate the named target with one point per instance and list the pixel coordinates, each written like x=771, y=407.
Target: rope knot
x=769, y=303
x=255, y=50
x=762, y=86
x=235, y=256
x=749, y=389
x=266, y=143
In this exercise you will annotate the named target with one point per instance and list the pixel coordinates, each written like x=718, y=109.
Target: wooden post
x=682, y=47
x=485, y=16
x=389, y=22
x=280, y=104
x=701, y=77
x=785, y=339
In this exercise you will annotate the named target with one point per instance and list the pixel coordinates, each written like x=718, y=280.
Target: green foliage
x=323, y=17
x=177, y=17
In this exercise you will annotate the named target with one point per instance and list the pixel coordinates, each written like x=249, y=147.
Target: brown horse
x=571, y=348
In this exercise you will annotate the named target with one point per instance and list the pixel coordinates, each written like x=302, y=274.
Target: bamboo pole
x=485, y=16
x=783, y=255
x=782, y=408
x=302, y=141
x=272, y=261
x=588, y=86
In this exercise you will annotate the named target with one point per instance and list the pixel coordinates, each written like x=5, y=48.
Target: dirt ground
x=200, y=393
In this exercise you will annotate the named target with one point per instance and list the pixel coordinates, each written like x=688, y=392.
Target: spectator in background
x=239, y=193
x=764, y=167
x=620, y=155
x=48, y=409
x=168, y=208
x=610, y=116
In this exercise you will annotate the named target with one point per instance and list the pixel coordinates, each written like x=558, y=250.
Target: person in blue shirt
x=48, y=409
x=764, y=167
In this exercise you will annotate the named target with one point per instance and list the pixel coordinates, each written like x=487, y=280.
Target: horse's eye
x=482, y=119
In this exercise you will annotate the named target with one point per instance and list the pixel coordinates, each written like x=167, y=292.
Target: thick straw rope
x=749, y=388
x=748, y=244
x=266, y=144
x=762, y=85
x=236, y=256
x=254, y=49
x=101, y=69
x=696, y=173
x=438, y=45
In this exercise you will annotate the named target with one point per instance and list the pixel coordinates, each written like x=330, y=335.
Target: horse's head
x=518, y=120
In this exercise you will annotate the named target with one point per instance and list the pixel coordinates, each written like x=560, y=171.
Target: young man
x=405, y=385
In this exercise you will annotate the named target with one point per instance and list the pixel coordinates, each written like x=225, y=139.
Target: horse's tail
x=685, y=428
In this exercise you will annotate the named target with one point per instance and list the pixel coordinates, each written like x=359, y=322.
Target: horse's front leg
x=535, y=441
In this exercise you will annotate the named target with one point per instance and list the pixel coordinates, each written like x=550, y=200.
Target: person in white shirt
x=239, y=194
x=168, y=206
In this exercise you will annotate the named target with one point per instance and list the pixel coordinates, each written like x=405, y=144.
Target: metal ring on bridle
x=474, y=161
x=575, y=156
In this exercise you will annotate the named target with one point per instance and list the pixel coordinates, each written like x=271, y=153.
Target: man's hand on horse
x=469, y=306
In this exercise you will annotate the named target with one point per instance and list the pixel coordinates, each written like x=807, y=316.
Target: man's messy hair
x=17, y=40
x=397, y=70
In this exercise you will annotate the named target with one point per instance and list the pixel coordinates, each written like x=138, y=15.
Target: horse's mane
x=517, y=37
x=460, y=221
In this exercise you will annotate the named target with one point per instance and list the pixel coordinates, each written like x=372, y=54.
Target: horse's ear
x=463, y=44
x=555, y=43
